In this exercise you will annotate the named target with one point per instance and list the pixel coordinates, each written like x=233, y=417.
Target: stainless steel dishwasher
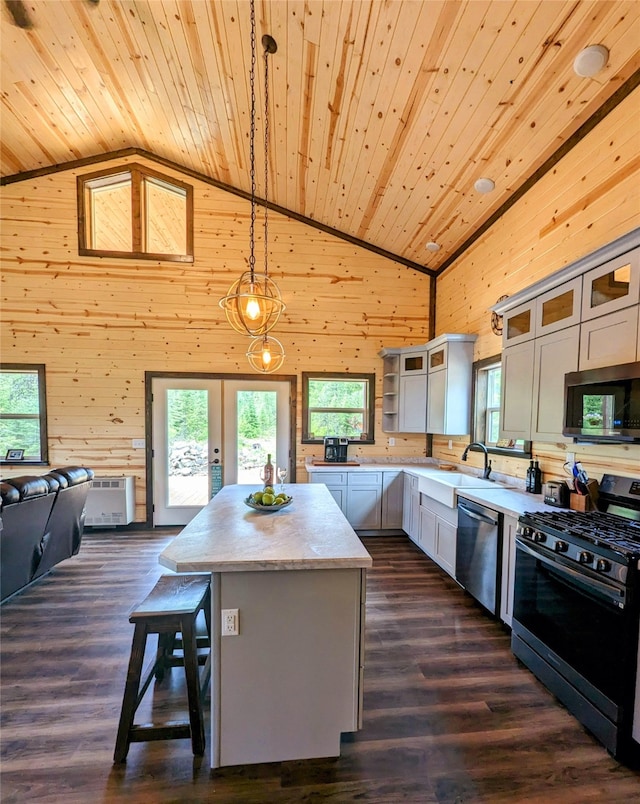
x=479, y=552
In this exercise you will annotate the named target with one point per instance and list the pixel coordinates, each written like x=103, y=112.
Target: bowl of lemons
x=268, y=499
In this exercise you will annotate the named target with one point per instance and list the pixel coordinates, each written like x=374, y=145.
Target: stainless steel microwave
x=603, y=405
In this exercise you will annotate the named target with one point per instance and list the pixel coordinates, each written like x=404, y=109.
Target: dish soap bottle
x=267, y=472
x=537, y=479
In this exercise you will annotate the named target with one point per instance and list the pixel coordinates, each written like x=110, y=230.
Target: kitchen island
x=290, y=682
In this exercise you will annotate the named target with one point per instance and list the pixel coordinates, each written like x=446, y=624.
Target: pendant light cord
x=252, y=137
x=266, y=156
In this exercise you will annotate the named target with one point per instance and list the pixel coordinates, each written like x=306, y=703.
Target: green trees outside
x=337, y=408
x=188, y=429
x=19, y=397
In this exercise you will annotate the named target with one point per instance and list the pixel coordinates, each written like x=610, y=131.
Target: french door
x=207, y=433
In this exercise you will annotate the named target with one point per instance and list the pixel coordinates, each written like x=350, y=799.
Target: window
x=487, y=382
x=131, y=211
x=23, y=414
x=337, y=405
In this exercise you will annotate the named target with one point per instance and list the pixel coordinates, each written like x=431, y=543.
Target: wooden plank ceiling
x=383, y=112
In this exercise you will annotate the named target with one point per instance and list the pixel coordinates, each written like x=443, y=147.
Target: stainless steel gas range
x=576, y=609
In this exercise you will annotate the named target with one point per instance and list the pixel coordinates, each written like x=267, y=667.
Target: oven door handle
x=594, y=586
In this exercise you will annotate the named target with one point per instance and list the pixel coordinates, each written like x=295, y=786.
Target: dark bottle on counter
x=537, y=479
x=530, y=478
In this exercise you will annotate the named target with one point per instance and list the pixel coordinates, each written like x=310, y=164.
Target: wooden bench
x=171, y=608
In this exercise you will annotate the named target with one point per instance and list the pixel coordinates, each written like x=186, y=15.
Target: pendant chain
x=252, y=136
x=266, y=154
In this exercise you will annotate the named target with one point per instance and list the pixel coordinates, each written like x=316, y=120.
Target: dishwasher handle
x=480, y=517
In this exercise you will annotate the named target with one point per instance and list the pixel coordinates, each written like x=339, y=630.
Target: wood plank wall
x=590, y=198
x=98, y=324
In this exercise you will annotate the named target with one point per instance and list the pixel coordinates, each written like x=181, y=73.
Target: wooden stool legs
x=167, y=623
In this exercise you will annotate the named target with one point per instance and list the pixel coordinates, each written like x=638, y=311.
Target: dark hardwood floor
x=449, y=715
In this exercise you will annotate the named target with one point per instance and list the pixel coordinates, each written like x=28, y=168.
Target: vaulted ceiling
x=383, y=113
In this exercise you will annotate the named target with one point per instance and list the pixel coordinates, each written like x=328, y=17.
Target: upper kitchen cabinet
x=412, y=415
x=404, y=389
x=610, y=340
x=450, y=373
x=427, y=388
x=554, y=310
x=586, y=315
x=519, y=325
x=610, y=313
x=390, y=392
x=612, y=286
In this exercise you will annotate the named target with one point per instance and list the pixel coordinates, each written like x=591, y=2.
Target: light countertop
x=508, y=501
x=511, y=501
x=228, y=536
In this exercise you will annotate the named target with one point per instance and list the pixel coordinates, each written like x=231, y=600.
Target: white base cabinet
x=364, y=500
x=392, y=494
x=369, y=500
x=438, y=532
x=411, y=508
x=509, y=525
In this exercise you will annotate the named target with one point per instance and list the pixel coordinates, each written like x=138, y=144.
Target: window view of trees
x=337, y=407
x=21, y=417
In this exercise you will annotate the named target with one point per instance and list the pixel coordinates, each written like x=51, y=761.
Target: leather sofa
x=41, y=523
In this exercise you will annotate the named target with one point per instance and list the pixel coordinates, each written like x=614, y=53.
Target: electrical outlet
x=230, y=622
x=450, y=444
x=571, y=457
x=392, y=442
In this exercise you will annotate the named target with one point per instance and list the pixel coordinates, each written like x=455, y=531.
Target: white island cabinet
x=290, y=683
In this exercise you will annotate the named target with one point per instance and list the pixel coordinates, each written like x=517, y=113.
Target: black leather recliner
x=41, y=523
x=66, y=520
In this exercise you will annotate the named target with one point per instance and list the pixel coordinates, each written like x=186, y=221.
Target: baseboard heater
x=111, y=501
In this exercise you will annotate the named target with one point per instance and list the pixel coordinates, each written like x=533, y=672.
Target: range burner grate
x=592, y=526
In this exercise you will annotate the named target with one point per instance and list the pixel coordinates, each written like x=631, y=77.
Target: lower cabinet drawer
x=330, y=478
x=364, y=479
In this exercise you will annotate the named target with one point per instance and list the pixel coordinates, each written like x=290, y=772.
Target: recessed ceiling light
x=432, y=246
x=485, y=185
x=590, y=61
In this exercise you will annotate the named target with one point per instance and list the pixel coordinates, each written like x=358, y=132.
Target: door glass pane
x=256, y=433
x=187, y=446
x=557, y=309
x=611, y=286
x=519, y=324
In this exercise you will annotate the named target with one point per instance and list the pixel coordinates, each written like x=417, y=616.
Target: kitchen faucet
x=487, y=463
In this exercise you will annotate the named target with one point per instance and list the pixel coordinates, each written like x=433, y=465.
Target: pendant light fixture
x=266, y=354
x=253, y=304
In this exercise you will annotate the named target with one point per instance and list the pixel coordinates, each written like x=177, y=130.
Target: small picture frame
x=14, y=455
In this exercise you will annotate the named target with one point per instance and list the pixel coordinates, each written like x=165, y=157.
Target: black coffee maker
x=335, y=449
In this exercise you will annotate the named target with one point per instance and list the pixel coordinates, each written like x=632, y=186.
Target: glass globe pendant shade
x=266, y=354
x=253, y=304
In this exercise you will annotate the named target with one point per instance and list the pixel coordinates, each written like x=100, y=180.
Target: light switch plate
x=138, y=443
